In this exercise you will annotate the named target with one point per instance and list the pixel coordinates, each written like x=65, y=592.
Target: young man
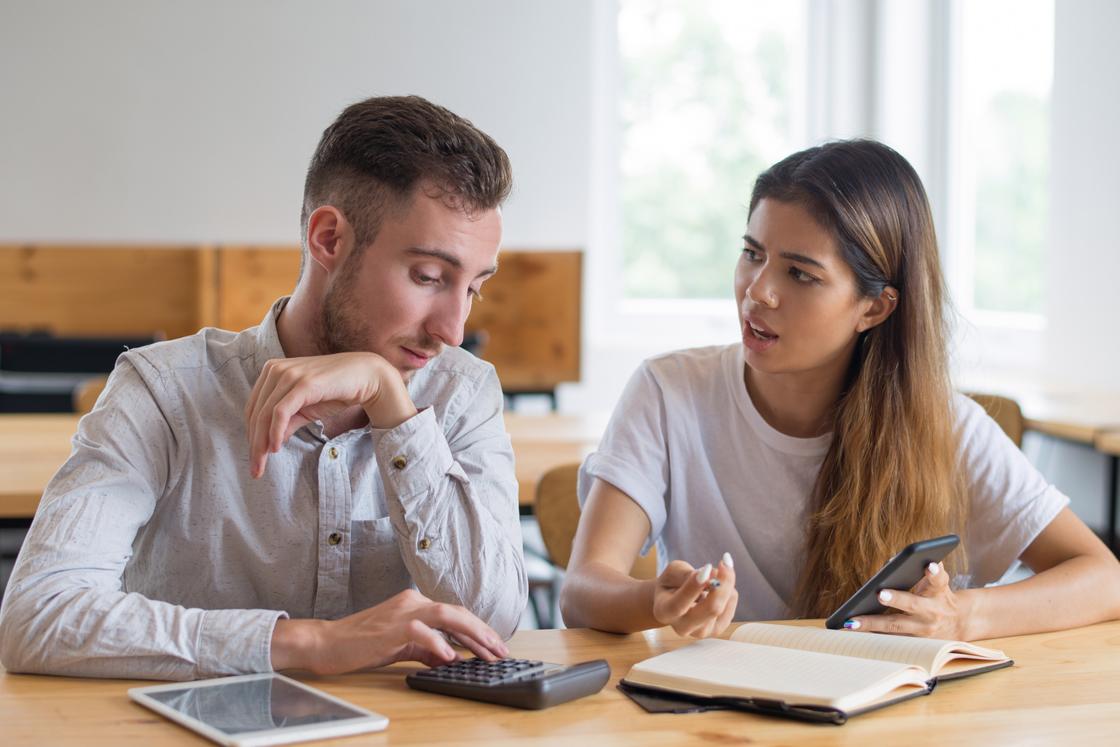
x=268, y=499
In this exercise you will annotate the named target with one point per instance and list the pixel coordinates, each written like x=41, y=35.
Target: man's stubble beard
x=343, y=331
x=339, y=331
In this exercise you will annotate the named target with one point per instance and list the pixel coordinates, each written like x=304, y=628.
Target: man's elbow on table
x=19, y=649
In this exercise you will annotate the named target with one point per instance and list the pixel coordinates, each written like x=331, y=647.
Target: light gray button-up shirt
x=154, y=553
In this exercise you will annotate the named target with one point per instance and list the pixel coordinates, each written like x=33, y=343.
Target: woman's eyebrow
x=794, y=256
x=803, y=258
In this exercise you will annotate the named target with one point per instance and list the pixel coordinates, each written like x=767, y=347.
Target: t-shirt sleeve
x=633, y=454
x=1011, y=502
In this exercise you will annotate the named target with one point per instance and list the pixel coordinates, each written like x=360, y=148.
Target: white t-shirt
x=688, y=446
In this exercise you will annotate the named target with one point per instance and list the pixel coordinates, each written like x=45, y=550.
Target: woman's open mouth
x=760, y=334
x=757, y=337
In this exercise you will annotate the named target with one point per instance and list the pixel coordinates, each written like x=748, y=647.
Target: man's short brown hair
x=378, y=151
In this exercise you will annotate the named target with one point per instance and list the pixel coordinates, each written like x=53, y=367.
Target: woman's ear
x=879, y=309
x=330, y=237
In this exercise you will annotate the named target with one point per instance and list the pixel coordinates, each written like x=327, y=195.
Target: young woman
x=792, y=464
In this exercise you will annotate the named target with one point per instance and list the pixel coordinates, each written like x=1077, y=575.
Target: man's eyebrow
x=795, y=256
x=449, y=258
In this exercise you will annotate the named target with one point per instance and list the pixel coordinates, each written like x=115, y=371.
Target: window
x=713, y=92
x=1001, y=94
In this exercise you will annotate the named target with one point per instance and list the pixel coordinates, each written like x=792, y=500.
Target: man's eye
x=475, y=293
x=425, y=279
x=750, y=253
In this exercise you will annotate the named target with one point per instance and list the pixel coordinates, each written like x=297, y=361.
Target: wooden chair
x=86, y=394
x=557, y=512
x=1006, y=412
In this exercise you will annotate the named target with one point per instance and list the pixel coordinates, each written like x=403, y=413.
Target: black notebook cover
x=656, y=700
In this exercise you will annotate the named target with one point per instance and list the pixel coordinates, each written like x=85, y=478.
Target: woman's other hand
x=696, y=602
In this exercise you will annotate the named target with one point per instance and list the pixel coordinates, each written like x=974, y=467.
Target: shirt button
x=333, y=452
x=399, y=462
x=334, y=538
x=425, y=543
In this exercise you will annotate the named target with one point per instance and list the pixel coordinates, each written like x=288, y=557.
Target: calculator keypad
x=482, y=672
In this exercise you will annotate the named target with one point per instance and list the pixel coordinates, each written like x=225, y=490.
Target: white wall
x=1083, y=263
x=194, y=121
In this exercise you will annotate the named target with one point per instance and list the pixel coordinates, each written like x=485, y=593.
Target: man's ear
x=330, y=238
x=879, y=310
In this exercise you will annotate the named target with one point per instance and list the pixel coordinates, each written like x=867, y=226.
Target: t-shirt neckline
x=734, y=369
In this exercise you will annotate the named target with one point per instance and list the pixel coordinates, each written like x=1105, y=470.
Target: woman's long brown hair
x=891, y=474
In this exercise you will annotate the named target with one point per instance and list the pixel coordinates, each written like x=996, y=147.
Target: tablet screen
x=244, y=706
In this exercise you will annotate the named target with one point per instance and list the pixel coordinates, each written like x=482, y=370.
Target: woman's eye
x=750, y=253
x=474, y=293
x=801, y=276
x=425, y=279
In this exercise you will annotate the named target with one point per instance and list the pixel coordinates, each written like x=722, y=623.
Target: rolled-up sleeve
x=66, y=610
x=452, y=499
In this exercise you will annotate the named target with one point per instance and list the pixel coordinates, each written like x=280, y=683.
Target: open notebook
x=805, y=672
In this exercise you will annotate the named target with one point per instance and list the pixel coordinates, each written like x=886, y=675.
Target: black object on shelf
x=45, y=353
x=39, y=372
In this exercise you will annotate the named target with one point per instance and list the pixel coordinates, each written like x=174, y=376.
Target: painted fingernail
x=885, y=596
x=933, y=569
x=704, y=573
x=727, y=561
x=851, y=625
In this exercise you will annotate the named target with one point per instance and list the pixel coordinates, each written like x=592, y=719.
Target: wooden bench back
x=530, y=311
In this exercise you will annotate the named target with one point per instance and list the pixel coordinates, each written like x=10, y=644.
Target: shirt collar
x=266, y=337
x=267, y=341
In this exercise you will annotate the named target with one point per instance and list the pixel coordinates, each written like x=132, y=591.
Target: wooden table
x=1064, y=689
x=33, y=447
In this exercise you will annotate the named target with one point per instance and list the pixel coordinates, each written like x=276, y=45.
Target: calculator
x=520, y=683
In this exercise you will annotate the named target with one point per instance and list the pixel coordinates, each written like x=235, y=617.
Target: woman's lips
x=757, y=336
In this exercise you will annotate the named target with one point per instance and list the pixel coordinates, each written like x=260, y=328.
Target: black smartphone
x=900, y=572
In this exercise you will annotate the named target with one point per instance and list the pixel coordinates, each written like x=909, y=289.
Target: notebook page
x=718, y=667
x=921, y=652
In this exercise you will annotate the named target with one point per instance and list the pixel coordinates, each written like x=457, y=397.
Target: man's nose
x=447, y=319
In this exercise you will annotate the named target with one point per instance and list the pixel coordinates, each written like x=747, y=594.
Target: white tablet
x=257, y=709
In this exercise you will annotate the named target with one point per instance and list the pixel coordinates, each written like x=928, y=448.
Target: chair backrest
x=1005, y=411
x=557, y=511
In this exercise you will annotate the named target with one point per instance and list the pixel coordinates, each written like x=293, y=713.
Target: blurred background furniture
x=557, y=512
x=43, y=372
x=1006, y=412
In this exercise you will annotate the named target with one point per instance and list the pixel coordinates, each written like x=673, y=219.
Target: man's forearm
x=93, y=633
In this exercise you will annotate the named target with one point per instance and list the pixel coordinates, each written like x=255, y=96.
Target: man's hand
x=292, y=392
x=691, y=600
x=406, y=627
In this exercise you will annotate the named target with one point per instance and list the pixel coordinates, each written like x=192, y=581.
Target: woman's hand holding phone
x=696, y=602
x=930, y=610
